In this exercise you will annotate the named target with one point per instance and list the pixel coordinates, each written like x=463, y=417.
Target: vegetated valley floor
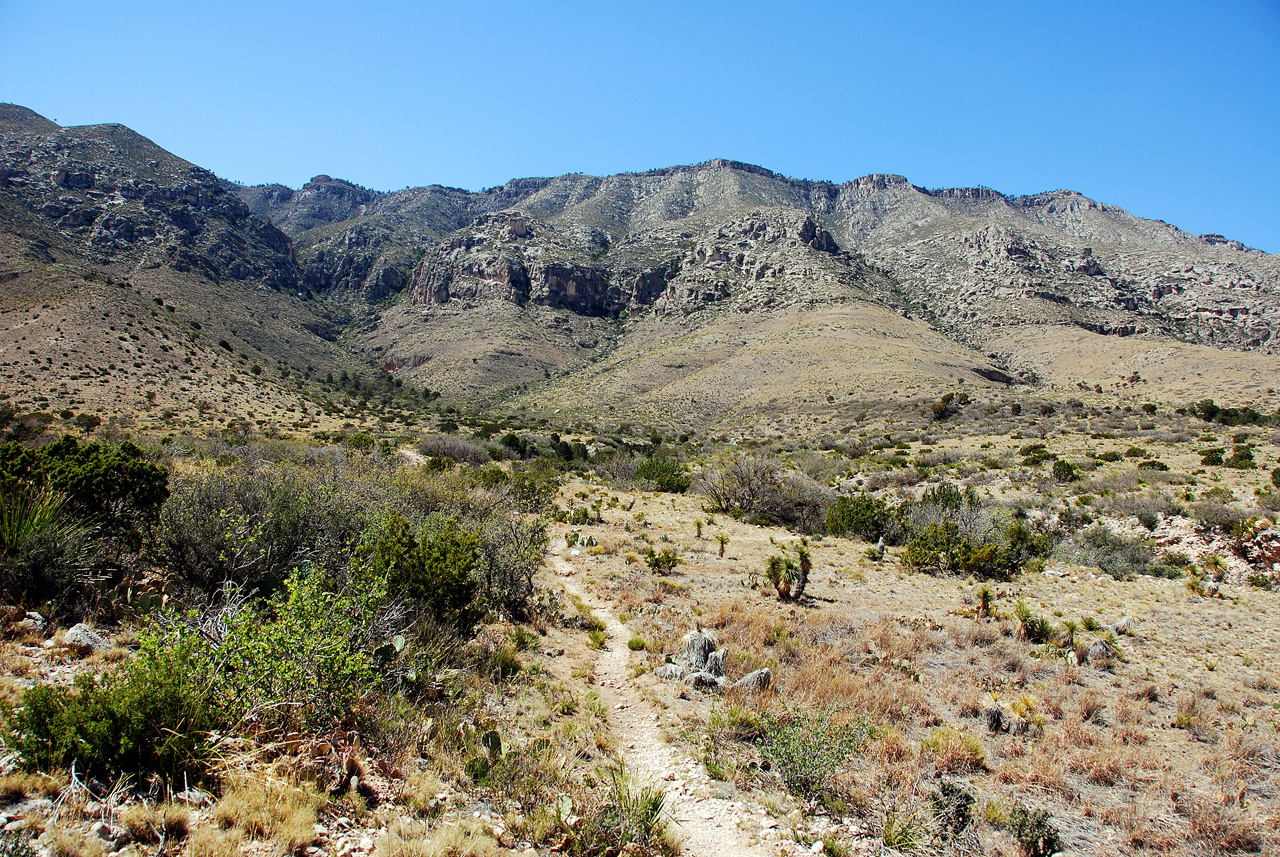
x=1168, y=747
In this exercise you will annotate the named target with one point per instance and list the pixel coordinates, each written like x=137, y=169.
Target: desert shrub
x=667, y=474
x=1215, y=515
x=1275, y=477
x=1063, y=471
x=112, y=486
x=1035, y=834
x=941, y=548
x=807, y=748
x=1117, y=555
x=433, y=569
x=859, y=515
x=763, y=490
x=295, y=660
x=454, y=448
x=662, y=562
x=249, y=527
x=46, y=553
x=146, y=717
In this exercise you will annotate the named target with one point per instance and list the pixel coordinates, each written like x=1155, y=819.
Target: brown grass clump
x=212, y=842
x=954, y=752
x=15, y=786
x=419, y=791
x=269, y=810
x=1222, y=826
x=148, y=823
x=70, y=843
x=461, y=840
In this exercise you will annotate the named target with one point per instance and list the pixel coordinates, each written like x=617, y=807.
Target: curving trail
x=707, y=825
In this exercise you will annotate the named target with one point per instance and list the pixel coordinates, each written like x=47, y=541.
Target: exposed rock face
x=114, y=197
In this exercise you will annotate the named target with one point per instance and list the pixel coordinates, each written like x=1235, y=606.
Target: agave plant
x=46, y=553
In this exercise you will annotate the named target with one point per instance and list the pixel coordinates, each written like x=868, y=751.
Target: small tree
x=723, y=540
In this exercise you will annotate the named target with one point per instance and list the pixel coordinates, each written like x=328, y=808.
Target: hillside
x=716, y=294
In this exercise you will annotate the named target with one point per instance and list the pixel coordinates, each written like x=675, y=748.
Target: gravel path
x=708, y=826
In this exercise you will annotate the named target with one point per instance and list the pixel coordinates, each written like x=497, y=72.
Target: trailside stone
x=670, y=672
x=715, y=662
x=758, y=680
x=698, y=646
x=85, y=640
x=702, y=681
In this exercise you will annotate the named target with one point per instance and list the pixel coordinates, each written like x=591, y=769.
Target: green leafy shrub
x=1035, y=834
x=667, y=474
x=150, y=716
x=662, y=562
x=434, y=570
x=114, y=487
x=808, y=748
x=859, y=515
x=1063, y=471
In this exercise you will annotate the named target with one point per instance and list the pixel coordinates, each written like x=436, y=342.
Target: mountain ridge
x=521, y=292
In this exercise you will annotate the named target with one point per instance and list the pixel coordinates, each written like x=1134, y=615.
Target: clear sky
x=1170, y=109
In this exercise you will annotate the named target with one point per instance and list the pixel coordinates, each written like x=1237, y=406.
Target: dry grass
x=214, y=842
x=71, y=843
x=149, y=822
x=264, y=809
x=15, y=786
x=408, y=839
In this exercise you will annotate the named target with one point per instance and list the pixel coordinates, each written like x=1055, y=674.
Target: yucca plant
x=46, y=553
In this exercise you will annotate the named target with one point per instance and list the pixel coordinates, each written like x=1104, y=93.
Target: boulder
x=715, y=662
x=756, y=681
x=670, y=672
x=698, y=646
x=85, y=640
x=703, y=681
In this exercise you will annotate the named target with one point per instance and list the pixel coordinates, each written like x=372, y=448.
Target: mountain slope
x=134, y=281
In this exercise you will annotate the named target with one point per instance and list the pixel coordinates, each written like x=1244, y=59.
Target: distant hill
x=715, y=293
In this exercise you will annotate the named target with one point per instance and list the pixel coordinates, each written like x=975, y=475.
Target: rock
x=1123, y=626
x=85, y=640
x=194, y=797
x=756, y=681
x=670, y=672
x=817, y=847
x=33, y=622
x=698, y=646
x=715, y=662
x=109, y=835
x=702, y=681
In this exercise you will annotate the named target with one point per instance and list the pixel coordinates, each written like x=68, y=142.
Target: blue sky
x=1170, y=109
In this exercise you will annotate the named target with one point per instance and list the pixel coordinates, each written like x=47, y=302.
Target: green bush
x=151, y=716
x=808, y=748
x=859, y=515
x=1035, y=834
x=114, y=487
x=663, y=562
x=667, y=474
x=434, y=570
x=1063, y=471
x=1275, y=477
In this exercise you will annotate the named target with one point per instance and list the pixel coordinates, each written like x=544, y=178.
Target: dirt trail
x=707, y=825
